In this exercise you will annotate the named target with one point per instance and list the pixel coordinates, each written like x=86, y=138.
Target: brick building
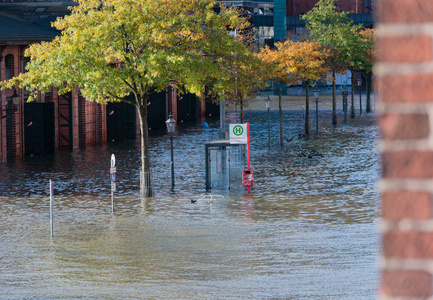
x=55, y=122
x=404, y=72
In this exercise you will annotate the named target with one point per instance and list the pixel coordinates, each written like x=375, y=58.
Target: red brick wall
x=17, y=140
x=298, y=7
x=404, y=74
x=93, y=127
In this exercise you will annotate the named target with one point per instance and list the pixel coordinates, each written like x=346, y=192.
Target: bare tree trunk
x=368, y=88
x=145, y=159
x=334, y=101
x=307, y=108
x=281, y=115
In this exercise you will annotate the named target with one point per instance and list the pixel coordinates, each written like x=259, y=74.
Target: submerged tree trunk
x=307, y=108
x=368, y=88
x=352, y=104
x=334, y=102
x=146, y=185
x=281, y=115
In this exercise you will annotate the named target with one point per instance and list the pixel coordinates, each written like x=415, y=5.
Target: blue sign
x=113, y=177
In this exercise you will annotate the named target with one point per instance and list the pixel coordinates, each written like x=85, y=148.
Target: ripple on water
x=306, y=224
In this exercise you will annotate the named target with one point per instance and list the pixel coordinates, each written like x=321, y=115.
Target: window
x=10, y=66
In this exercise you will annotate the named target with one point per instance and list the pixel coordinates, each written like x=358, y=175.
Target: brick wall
x=298, y=7
x=404, y=75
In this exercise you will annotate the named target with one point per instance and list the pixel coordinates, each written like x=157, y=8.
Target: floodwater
x=307, y=230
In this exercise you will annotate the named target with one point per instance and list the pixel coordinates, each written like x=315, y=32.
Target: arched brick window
x=9, y=66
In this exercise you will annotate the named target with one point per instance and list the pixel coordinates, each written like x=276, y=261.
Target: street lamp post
x=360, y=102
x=222, y=118
x=268, y=106
x=316, y=96
x=171, y=125
x=16, y=99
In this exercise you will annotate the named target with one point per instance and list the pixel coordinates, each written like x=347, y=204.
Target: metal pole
x=112, y=199
x=172, y=162
x=345, y=109
x=222, y=118
x=51, y=208
x=317, y=114
x=360, y=103
x=269, y=127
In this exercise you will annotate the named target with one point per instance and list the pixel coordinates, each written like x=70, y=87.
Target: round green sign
x=238, y=130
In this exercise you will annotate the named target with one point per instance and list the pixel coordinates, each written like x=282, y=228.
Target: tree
x=368, y=44
x=242, y=73
x=332, y=29
x=278, y=70
x=243, y=80
x=110, y=49
x=307, y=61
x=361, y=47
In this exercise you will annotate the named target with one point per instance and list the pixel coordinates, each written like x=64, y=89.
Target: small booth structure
x=225, y=162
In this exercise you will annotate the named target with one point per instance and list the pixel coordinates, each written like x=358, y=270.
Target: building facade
x=56, y=122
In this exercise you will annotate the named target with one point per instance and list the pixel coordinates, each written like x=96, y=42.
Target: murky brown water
x=307, y=230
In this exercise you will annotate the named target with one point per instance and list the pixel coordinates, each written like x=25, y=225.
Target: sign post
x=240, y=134
x=113, y=180
x=51, y=207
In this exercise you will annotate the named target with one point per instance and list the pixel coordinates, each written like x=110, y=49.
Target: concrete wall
x=405, y=77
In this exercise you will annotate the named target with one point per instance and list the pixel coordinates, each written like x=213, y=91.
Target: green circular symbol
x=238, y=130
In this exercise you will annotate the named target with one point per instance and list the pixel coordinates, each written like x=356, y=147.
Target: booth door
x=219, y=168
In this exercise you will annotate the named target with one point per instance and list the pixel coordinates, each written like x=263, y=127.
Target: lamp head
x=16, y=98
x=268, y=102
x=171, y=124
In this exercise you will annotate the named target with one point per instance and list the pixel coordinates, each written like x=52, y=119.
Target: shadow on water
x=307, y=230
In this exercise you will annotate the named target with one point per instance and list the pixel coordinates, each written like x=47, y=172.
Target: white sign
x=113, y=160
x=238, y=133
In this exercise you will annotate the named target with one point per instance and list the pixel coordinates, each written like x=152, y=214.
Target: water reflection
x=307, y=230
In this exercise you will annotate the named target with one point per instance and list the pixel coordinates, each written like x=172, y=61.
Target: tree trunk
x=281, y=115
x=145, y=159
x=307, y=108
x=352, y=105
x=334, y=102
x=368, y=88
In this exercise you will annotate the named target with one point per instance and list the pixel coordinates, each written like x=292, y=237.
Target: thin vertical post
x=112, y=199
x=317, y=114
x=248, y=151
x=172, y=162
x=360, y=100
x=51, y=207
x=269, y=127
x=345, y=109
x=222, y=118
